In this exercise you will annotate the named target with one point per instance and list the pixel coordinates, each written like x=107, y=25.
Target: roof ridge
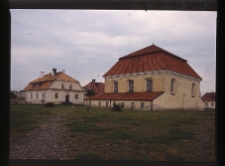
x=158, y=49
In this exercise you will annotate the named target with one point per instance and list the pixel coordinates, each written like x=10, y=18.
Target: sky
x=87, y=43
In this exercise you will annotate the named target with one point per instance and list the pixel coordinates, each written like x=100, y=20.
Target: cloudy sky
x=86, y=43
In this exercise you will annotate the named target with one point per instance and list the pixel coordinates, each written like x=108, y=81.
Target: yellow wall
x=139, y=83
x=181, y=98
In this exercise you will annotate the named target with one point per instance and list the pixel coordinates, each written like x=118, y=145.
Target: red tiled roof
x=209, y=96
x=98, y=87
x=144, y=96
x=46, y=81
x=151, y=58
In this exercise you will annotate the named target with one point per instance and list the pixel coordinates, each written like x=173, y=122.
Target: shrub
x=116, y=107
x=49, y=104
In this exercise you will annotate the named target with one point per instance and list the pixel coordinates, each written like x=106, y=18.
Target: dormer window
x=33, y=85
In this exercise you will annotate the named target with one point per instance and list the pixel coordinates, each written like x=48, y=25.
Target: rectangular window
x=56, y=95
x=36, y=95
x=212, y=104
x=132, y=104
x=107, y=104
x=131, y=85
x=142, y=105
x=76, y=96
x=43, y=95
x=25, y=95
x=206, y=104
x=99, y=103
x=62, y=86
x=115, y=87
x=71, y=87
x=149, y=85
x=31, y=95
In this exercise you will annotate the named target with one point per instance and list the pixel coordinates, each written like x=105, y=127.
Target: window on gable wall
x=149, y=85
x=76, y=96
x=70, y=87
x=172, y=88
x=115, y=87
x=62, y=86
x=130, y=85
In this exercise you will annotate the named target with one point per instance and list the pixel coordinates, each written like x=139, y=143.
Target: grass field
x=130, y=134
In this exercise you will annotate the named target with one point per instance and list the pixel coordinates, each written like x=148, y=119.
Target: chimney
x=42, y=74
x=54, y=71
x=93, y=80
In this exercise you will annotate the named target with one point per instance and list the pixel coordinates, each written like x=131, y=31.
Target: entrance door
x=67, y=98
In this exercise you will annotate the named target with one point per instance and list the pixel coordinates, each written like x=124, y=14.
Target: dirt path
x=50, y=141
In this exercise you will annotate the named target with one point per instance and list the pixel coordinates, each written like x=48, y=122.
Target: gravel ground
x=47, y=142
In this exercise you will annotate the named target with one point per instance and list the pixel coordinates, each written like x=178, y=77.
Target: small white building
x=56, y=87
x=210, y=100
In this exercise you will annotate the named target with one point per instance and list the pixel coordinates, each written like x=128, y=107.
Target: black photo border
x=190, y=5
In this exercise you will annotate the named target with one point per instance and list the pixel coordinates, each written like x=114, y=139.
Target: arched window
x=172, y=86
x=193, y=87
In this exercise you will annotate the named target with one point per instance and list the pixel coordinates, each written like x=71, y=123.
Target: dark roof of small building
x=209, y=96
x=149, y=59
x=141, y=96
x=97, y=87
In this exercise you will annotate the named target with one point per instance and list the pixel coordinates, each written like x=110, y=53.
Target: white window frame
x=115, y=86
x=130, y=85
